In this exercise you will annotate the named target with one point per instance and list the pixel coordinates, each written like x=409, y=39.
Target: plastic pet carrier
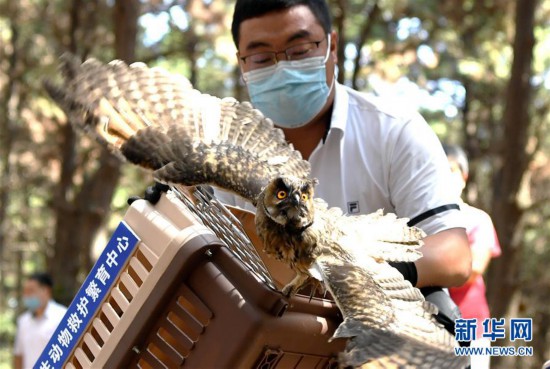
x=181, y=285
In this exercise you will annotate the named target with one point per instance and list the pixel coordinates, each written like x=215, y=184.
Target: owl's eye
x=281, y=195
x=305, y=197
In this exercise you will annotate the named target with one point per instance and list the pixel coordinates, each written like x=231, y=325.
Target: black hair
x=43, y=279
x=246, y=9
x=456, y=153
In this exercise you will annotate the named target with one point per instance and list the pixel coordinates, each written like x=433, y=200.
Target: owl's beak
x=295, y=199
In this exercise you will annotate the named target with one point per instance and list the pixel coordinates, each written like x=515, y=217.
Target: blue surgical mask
x=32, y=303
x=291, y=92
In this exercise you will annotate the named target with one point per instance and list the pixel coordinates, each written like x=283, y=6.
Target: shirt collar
x=339, y=110
x=48, y=310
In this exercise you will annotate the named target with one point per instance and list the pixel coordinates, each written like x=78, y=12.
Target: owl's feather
x=392, y=323
x=158, y=121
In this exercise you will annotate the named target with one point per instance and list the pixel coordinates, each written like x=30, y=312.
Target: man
x=36, y=326
x=484, y=245
x=366, y=155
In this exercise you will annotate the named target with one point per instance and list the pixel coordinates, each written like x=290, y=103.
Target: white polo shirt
x=380, y=156
x=33, y=334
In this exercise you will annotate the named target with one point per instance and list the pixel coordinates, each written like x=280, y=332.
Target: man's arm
x=17, y=362
x=446, y=260
x=480, y=262
x=484, y=244
x=18, y=346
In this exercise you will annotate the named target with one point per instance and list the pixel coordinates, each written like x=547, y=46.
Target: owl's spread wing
x=158, y=121
x=387, y=320
x=387, y=237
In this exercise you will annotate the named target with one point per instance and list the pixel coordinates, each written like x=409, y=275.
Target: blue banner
x=89, y=298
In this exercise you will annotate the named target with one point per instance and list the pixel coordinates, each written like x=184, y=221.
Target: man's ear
x=47, y=292
x=334, y=46
x=241, y=64
x=239, y=60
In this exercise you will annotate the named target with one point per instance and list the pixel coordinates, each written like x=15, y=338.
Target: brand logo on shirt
x=353, y=207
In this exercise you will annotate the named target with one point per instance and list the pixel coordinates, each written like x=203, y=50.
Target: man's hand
x=448, y=311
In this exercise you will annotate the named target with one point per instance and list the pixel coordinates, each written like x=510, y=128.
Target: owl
x=284, y=222
x=156, y=120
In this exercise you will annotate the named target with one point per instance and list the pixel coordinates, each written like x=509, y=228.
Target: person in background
x=36, y=326
x=484, y=245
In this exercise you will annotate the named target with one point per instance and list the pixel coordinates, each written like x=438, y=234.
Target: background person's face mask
x=32, y=303
x=291, y=92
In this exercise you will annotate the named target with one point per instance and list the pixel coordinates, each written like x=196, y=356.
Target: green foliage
x=7, y=336
x=425, y=43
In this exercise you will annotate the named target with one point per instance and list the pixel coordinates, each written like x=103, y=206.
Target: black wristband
x=408, y=269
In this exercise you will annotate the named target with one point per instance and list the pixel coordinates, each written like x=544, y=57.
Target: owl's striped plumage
x=158, y=121
x=150, y=116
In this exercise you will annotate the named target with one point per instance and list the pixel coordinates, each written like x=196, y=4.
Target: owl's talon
x=316, y=287
x=319, y=287
x=298, y=283
x=289, y=290
x=295, y=285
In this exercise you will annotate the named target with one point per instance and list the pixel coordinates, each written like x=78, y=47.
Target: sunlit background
x=61, y=195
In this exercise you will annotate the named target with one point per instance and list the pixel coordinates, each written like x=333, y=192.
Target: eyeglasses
x=269, y=58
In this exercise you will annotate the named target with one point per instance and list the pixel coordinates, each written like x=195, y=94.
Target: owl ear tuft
x=314, y=182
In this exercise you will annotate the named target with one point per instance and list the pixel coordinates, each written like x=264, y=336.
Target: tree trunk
x=7, y=123
x=80, y=216
x=541, y=344
x=504, y=271
x=126, y=14
x=340, y=21
x=371, y=13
